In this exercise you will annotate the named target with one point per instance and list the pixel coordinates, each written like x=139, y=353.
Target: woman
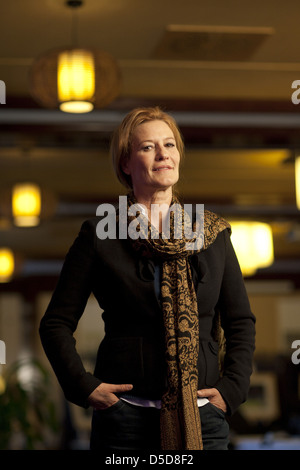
x=157, y=383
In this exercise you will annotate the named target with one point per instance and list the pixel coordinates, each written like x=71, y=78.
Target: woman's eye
x=170, y=144
x=147, y=147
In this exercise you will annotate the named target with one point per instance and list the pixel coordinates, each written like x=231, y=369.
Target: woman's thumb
x=122, y=387
x=205, y=392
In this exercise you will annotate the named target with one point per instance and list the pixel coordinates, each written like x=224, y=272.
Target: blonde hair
x=122, y=138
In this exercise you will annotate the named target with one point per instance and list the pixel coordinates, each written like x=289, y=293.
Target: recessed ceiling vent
x=210, y=43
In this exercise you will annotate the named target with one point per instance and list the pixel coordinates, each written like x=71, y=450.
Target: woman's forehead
x=152, y=129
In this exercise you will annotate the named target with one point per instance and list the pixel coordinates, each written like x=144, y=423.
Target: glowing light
x=297, y=181
x=26, y=204
x=76, y=81
x=7, y=264
x=253, y=244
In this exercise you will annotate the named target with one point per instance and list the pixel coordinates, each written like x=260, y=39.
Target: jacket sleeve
x=62, y=315
x=239, y=327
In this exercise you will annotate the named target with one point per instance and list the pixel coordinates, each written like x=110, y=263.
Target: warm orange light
x=297, y=181
x=76, y=81
x=26, y=204
x=7, y=264
x=253, y=244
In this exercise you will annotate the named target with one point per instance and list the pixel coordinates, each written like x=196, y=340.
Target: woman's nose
x=161, y=152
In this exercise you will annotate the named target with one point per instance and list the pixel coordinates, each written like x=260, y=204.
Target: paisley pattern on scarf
x=180, y=418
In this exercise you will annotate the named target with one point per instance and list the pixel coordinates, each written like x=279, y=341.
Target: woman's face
x=154, y=159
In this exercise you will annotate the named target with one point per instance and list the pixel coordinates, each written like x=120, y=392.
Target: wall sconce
x=253, y=244
x=7, y=264
x=26, y=204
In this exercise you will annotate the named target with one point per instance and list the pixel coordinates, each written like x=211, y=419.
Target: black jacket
x=132, y=350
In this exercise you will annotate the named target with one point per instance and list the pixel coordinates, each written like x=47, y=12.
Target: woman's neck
x=157, y=205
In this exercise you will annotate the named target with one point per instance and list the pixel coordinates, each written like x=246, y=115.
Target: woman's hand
x=214, y=397
x=104, y=395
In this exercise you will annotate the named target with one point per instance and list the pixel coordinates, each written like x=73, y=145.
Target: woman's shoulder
x=214, y=224
x=215, y=220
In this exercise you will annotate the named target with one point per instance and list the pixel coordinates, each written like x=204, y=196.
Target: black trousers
x=126, y=427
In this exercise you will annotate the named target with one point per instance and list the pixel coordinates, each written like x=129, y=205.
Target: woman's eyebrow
x=152, y=141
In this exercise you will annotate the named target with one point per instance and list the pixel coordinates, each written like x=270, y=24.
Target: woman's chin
x=165, y=181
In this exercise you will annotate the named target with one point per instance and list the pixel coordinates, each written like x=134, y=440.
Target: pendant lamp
x=75, y=79
x=253, y=244
x=7, y=264
x=26, y=204
x=297, y=181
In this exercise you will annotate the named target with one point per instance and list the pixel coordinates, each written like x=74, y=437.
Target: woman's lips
x=163, y=168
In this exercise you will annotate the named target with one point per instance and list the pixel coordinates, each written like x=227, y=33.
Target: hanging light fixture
x=75, y=79
x=297, y=180
x=253, y=243
x=7, y=264
x=26, y=204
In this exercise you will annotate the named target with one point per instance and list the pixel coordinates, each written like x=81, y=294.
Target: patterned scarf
x=180, y=418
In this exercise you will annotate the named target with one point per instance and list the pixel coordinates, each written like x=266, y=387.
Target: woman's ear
x=125, y=166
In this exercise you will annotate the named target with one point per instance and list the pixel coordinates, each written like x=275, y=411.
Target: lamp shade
x=26, y=204
x=253, y=244
x=7, y=264
x=76, y=81
x=64, y=77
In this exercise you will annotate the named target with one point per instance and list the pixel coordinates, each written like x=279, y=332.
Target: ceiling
x=223, y=69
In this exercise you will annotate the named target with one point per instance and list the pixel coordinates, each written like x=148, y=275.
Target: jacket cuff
x=85, y=386
x=231, y=393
